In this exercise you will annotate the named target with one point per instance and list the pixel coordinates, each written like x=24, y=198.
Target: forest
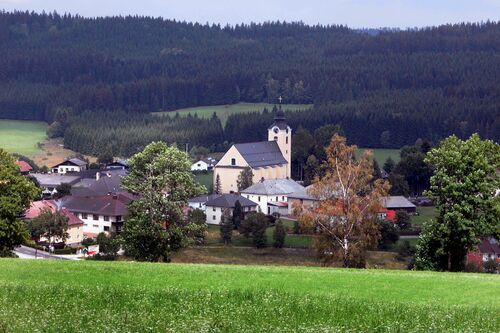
x=384, y=89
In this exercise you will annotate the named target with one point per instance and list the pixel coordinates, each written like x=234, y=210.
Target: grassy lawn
x=68, y=296
x=381, y=155
x=205, y=179
x=223, y=111
x=424, y=215
x=20, y=136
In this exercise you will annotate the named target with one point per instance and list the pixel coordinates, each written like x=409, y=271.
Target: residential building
x=205, y=164
x=272, y=194
x=216, y=207
x=104, y=182
x=24, y=167
x=200, y=201
x=117, y=165
x=104, y=213
x=399, y=203
x=75, y=225
x=70, y=165
x=300, y=199
x=269, y=159
x=49, y=182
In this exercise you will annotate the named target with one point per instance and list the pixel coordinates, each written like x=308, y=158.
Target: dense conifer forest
x=384, y=89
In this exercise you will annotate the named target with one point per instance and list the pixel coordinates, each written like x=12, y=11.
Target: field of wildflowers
x=64, y=296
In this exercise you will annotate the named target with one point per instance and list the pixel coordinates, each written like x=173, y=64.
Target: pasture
x=22, y=136
x=90, y=296
x=224, y=111
x=381, y=154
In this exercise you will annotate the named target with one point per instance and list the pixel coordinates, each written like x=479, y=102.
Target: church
x=269, y=159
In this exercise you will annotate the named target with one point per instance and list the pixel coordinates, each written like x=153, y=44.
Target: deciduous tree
x=51, y=225
x=345, y=215
x=463, y=186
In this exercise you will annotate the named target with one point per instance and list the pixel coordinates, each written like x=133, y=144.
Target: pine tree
x=226, y=228
x=237, y=214
x=218, y=185
x=279, y=235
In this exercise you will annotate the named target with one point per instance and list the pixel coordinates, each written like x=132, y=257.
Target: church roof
x=279, y=120
x=275, y=187
x=261, y=154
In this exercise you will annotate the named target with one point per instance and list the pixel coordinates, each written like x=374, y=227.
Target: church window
x=233, y=161
x=275, y=138
x=258, y=199
x=287, y=140
x=276, y=199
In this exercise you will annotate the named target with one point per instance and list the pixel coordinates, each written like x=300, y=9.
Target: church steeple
x=280, y=132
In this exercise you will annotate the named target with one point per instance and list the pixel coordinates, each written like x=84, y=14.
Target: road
x=25, y=252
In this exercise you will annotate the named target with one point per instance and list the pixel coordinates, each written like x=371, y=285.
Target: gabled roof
x=261, y=154
x=53, y=180
x=397, y=202
x=111, y=205
x=489, y=245
x=274, y=187
x=72, y=161
x=203, y=198
x=24, y=166
x=108, y=182
x=229, y=200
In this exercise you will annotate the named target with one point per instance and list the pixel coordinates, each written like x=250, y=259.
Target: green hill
x=21, y=136
x=90, y=296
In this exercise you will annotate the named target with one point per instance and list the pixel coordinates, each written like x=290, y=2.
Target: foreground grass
x=61, y=296
x=21, y=136
x=224, y=111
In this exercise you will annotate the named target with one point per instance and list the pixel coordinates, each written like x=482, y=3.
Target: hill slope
x=125, y=296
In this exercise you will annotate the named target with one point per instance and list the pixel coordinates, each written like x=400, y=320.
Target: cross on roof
x=280, y=99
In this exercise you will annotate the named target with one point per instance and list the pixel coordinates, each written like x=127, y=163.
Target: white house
x=205, y=164
x=104, y=213
x=216, y=207
x=199, y=202
x=272, y=194
x=70, y=165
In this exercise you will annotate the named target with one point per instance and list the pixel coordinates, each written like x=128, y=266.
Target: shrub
x=403, y=220
x=255, y=226
x=388, y=235
x=279, y=235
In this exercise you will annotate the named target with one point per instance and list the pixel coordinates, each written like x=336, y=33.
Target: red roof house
x=24, y=167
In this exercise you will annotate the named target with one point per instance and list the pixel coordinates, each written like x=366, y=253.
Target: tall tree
x=237, y=214
x=254, y=226
x=16, y=194
x=218, y=185
x=279, y=235
x=160, y=176
x=348, y=204
x=388, y=165
x=463, y=186
x=245, y=179
x=226, y=227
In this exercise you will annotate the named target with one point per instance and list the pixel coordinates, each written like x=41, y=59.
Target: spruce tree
x=226, y=228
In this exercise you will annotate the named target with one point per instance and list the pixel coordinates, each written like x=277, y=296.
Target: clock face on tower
x=276, y=130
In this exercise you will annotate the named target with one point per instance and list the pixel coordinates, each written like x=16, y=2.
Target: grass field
x=424, y=215
x=205, y=179
x=223, y=111
x=381, y=155
x=67, y=296
x=20, y=136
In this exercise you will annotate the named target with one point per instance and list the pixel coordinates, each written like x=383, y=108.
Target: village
x=249, y=178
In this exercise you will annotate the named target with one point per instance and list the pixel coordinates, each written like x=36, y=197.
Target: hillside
x=385, y=90
x=124, y=296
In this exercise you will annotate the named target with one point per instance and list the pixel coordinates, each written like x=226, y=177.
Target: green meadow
x=224, y=111
x=381, y=154
x=90, y=296
x=21, y=136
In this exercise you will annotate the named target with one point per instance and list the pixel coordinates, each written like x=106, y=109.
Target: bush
x=279, y=235
x=296, y=227
x=405, y=250
x=255, y=226
x=388, y=235
x=403, y=220
x=66, y=250
x=88, y=241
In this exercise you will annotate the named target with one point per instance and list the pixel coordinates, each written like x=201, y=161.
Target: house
x=117, y=165
x=104, y=213
x=399, y=203
x=200, y=201
x=75, y=225
x=272, y=194
x=216, y=207
x=70, y=165
x=269, y=159
x=24, y=167
x=49, y=182
x=205, y=164
x=301, y=199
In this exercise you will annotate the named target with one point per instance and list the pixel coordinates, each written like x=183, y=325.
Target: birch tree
x=348, y=201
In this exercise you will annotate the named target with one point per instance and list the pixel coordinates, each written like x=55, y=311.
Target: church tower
x=280, y=132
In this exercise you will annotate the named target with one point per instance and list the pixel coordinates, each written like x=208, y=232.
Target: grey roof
x=109, y=183
x=397, y=202
x=228, y=201
x=274, y=187
x=74, y=161
x=53, y=180
x=260, y=154
x=203, y=198
x=301, y=195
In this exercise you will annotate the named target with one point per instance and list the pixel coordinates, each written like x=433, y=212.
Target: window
x=106, y=228
x=106, y=218
x=283, y=198
x=277, y=199
x=233, y=161
x=118, y=218
x=95, y=225
x=287, y=140
x=213, y=217
x=258, y=199
x=95, y=217
x=85, y=216
x=213, y=209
